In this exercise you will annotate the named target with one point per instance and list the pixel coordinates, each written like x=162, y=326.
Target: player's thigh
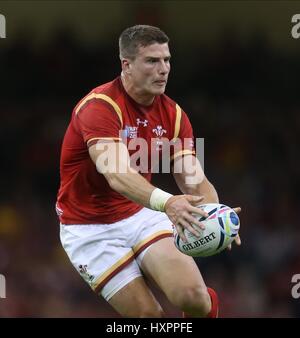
x=136, y=300
x=171, y=270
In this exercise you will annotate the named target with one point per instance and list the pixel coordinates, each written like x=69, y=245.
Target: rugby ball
x=221, y=226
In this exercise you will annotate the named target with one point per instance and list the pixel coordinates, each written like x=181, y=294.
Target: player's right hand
x=180, y=210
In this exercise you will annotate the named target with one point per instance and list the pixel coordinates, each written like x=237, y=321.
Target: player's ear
x=126, y=66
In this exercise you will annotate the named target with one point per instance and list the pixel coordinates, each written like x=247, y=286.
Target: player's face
x=150, y=69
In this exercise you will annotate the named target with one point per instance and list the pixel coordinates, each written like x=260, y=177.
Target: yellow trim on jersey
x=177, y=121
x=104, y=98
x=182, y=152
x=150, y=238
x=112, y=269
x=104, y=138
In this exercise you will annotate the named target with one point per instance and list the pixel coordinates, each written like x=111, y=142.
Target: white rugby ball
x=221, y=226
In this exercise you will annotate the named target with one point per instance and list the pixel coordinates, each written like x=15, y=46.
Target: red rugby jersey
x=84, y=196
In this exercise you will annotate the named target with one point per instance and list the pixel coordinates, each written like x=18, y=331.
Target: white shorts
x=109, y=256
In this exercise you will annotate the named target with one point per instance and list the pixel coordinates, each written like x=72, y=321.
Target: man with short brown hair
x=116, y=227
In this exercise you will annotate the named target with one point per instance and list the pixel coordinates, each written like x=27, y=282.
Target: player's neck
x=143, y=99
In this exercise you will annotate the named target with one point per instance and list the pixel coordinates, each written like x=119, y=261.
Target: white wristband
x=158, y=199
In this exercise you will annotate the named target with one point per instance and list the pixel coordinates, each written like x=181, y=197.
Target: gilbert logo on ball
x=221, y=226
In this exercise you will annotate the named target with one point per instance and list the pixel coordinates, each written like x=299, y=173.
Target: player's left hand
x=237, y=238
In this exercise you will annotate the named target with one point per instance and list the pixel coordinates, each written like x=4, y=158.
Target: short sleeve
x=98, y=120
x=186, y=130
x=184, y=144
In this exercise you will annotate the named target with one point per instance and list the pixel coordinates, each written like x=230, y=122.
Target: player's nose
x=164, y=68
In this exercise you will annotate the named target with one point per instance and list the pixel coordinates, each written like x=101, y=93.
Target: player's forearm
x=191, y=180
x=205, y=188
x=131, y=185
x=112, y=160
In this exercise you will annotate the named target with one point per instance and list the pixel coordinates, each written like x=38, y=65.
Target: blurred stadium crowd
x=241, y=97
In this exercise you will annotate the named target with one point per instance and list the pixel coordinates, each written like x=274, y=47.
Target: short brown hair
x=139, y=36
